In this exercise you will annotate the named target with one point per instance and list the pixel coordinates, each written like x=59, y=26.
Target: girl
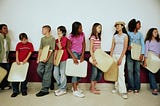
x=152, y=43
x=59, y=71
x=76, y=48
x=23, y=52
x=134, y=65
x=95, y=43
x=118, y=50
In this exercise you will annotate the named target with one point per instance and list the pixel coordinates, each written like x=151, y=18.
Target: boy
x=24, y=50
x=4, y=51
x=44, y=69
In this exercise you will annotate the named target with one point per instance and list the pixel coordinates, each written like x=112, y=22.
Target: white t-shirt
x=6, y=48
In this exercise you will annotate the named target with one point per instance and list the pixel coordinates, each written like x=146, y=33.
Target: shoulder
x=92, y=37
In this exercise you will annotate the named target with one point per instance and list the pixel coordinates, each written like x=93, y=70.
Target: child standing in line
x=59, y=71
x=76, y=48
x=118, y=50
x=152, y=43
x=44, y=68
x=133, y=66
x=24, y=50
x=95, y=43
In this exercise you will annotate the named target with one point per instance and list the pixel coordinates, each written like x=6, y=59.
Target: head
x=120, y=26
x=61, y=31
x=3, y=29
x=46, y=29
x=96, y=30
x=23, y=38
x=132, y=25
x=76, y=28
x=138, y=25
x=152, y=33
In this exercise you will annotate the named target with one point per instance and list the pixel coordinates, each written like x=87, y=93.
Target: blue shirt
x=137, y=38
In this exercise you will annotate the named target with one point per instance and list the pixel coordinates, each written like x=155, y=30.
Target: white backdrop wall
x=30, y=15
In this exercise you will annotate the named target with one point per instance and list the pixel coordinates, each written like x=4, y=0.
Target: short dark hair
x=48, y=27
x=63, y=29
x=75, y=27
x=2, y=25
x=22, y=35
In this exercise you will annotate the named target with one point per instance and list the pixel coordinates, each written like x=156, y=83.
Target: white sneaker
x=124, y=96
x=81, y=91
x=78, y=94
x=61, y=92
x=56, y=91
x=114, y=91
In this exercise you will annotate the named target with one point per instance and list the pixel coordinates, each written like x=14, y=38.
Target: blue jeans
x=5, y=82
x=76, y=79
x=44, y=70
x=152, y=80
x=15, y=86
x=133, y=67
x=59, y=75
x=96, y=74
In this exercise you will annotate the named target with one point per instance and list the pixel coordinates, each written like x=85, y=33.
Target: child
x=152, y=43
x=44, y=69
x=95, y=43
x=118, y=50
x=59, y=71
x=4, y=51
x=24, y=50
x=134, y=65
x=76, y=48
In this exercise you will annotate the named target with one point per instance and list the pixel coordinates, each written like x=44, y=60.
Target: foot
x=136, y=91
x=6, y=88
x=61, y=92
x=24, y=93
x=130, y=91
x=41, y=93
x=81, y=91
x=155, y=92
x=56, y=91
x=114, y=91
x=14, y=94
x=78, y=94
x=95, y=91
x=124, y=96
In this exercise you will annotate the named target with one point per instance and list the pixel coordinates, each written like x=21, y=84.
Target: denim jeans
x=133, y=67
x=152, y=80
x=76, y=79
x=59, y=75
x=96, y=74
x=15, y=86
x=44, y=70
x=5, y=82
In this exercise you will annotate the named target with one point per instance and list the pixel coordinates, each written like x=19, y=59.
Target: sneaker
x=124, y=96
x=61, y=92
x=81, y=91
x=56, y=91
x=130, y=91
x=41, y=93
x=136, y=91
x=78, y=94
x=24, y=93
x=6, y=88
x=114, y=91
x=155, y=92
x=14, y=94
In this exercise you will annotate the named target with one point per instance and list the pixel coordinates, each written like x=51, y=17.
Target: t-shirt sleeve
x=31, y=47
x=41, y=44
x=17, y=47
x=146, y=48
x=52, y=44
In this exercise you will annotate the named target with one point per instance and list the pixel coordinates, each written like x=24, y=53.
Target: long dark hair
x=123, y=30
x=150, y=34
x=132, y=25
x=94, y=31
x=75, y=27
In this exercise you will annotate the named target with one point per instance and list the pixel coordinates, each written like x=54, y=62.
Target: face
x=44, y=31
x=80, y=29
x=59, y=32
x=24, y=40
x=4, y=30
x=138, y=26
x=155, y=33
x=119, y=27
x=98, y=28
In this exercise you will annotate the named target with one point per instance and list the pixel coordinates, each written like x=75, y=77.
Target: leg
x=15, y=86
x=56, y=75
x=24, y=88
x=40, y=69
x=137, y=76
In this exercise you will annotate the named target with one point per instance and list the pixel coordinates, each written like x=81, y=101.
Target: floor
x=106, y=98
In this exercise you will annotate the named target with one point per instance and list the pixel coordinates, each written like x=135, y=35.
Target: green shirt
x=48, y=41
x=2, y=48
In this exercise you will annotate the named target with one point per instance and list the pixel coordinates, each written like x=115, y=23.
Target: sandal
x=155, y=92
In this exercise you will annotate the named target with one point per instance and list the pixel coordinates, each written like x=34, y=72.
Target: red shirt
x=23, y=50
x=64, y=48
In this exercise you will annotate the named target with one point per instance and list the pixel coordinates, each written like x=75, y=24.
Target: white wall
x=30, y=15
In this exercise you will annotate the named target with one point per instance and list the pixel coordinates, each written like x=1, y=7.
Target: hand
x=119, y=61
x=75, y=60
x=129, y=47
x=95, y=62
x=81, y=59
x=141, y=57
x=37, y=61
x=24, y=61
x=17, y=61
x=144, y=64
x=44, y=61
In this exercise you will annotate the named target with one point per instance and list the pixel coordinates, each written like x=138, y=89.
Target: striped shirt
x=96, y=43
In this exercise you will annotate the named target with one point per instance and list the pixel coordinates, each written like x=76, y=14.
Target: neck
x=153, y=38
x=47, y=35
x=120, y=32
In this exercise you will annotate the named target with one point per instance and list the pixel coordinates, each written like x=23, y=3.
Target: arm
x=17, y=60
x=83, y=50
x=143, y=47
x=39, y=55
x=112, y=47
x=124, y=50
x=146, y=53
x=92, y=53
x=70, y=52
x=26, y=59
